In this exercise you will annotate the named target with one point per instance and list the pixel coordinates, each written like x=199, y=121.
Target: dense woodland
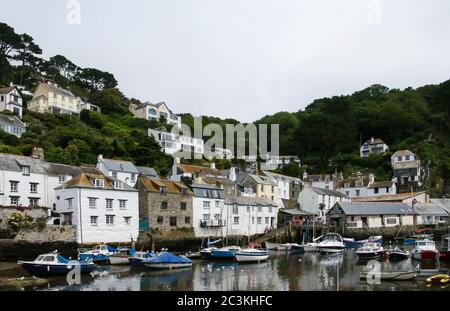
x=326, y=135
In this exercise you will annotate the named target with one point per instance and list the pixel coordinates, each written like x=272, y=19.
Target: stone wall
x=51, y=233
x=35, y=213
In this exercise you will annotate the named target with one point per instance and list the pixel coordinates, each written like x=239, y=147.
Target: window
x=236, y=220
x=375, y=190
x=118, y=184
x=110, y=220
x=217, y=203
x=109, y=203
x=61, y=178
x=215, y=194
x=25, y=170
x=92, y=202
x=358, y=192
x=187, y=220
x=164, y=205
x=34, y=202
x=173, y=221
x=267, y=219
x=387, y=189
x=217, y=216
x=206, y=204
x=235, y=209
x=253, y=220
x=259, y=220
x=270, y=209
x=160, y=219
x=163, y=189
x=70, y=202
x=407, y=158
x=273, y=189
x=94, y=220
x=248, y=209
x=127, y=220
x=33, y=187
x=259, y=208
x=99, y=183
x=206, y=217
x=133, y=177
x=114, y=175
x=399, y=158
x=14, y=201
x=123, y=204
x=14, y=186
x=183, y=206
x=347, y=193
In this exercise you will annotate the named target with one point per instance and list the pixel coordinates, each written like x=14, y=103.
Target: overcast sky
x=245, y=58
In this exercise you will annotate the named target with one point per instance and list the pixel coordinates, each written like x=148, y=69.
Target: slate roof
x=250, y=201
x=88, y=181
x=296, y=212
x=147, y=171
x=263, y=180
x=280, y=176
x=217, y=180
x=11, y=162
x=7, y=90
x=11, y=120
x=388, y=197
x=430, y=209
x=374, y=208
x=199, y=191
x=56, y=169
x=442, y=203
x=381, y=184
x=328, y=192
x=319, y=178
x=402, y=153
x=195, y=169
x=154, y=185
x=56, y=90
x=120, y=166
x=351, y=181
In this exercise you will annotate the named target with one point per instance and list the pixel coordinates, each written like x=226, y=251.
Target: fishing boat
x=370, y=250
x=54, y=264
x=122, y=256
x=251, y=255
x=166, y=260
x=351, y=243
x=398, y=254
x=331, y=243
x=424, y=250
x=444, y=250
x=278, y=246
x=227, y=252
x=138, y=257
x=99, y=253
x=391, y=276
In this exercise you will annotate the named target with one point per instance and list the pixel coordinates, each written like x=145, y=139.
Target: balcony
x=213, y=223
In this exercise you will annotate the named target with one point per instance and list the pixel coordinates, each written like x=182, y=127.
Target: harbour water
x=282, y=272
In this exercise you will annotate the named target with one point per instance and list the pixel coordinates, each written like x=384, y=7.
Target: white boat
x=278, y=247
x=331, y=243
x=392, y=276
x=121, y=256
x=312, y=246
x=370, y=250
x=425, y=250
x=251, y=255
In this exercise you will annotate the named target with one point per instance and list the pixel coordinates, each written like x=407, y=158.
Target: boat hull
x=370, y=255
x=398, y=256
x=298, y=249
x=392, y=276
x=118, y=260
x=219, y=254
x=444, y=256
x=331, y=249
x=309, y=248
x=40, y=270
x=205, y=254
x=251, y=257
x=424, y=255
x=167, y=266
x=278, y=247
x=97, y=258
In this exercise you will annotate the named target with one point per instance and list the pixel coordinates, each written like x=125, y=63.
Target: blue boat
x=53, y=264
x=351, y=243
x=166, y=260
x=99, y=253
x=227, y=252
x=138, y=257
x=206, y=253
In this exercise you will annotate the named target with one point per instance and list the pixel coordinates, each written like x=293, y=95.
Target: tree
x=9, y=41
x=60, y=69
x=96, y=79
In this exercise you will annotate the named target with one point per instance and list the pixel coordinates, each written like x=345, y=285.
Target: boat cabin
x=425, y=245
x=47, y=258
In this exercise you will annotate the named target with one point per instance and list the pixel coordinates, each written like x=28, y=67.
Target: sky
x=244, y=59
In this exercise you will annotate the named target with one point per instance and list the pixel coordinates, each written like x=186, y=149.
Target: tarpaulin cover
x=167, y=258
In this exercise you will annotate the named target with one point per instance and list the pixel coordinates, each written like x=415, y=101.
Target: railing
x=213, y=223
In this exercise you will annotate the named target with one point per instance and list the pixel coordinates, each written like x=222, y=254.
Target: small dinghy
x=391, y=276
x=55, y=264
x=251, y=255
x=138, y=257
x=398, y=254
x=166, y=260
x=370, y=251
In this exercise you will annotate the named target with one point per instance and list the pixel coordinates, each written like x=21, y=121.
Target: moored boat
x=444, y=249
x=99, y=253
x=121, y=256
x=331, y=243
x=425, y=250
x=227, y=252
x=297, y=248
x=278, y=246
x=55, y=264
x=391, y=276
x=398, y=254
x=370, y=250
x=351, y=243
x=138, y=257
x=251, y=255
x=166, y=260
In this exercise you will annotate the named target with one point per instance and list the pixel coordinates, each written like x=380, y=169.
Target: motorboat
x=370, y=250
x=227, y=252
x=351, y=243
x=166, y=260
x=398, y=254
x=54, y=264
x=444, y=249
x=391, y=275
x=99, y=253
x=251, y=255
x=424, y=250
x=122, y=256
x=312, y=246
x=297, y=248
x=331, y=243
x=279, y=247
x=138, y=257
x=206, y=252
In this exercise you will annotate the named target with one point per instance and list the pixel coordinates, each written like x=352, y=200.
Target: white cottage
x=373, y=146
x=12, y=125
x=10, y=99
x=102, y=209
x=118, y=169
x=159, y=111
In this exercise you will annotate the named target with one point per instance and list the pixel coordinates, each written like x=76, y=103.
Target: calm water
x=282, y=272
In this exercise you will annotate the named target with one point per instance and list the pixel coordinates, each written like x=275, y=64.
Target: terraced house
x=166, y=205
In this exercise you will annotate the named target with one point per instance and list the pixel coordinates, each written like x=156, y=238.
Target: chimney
x=213, y=165
x=371, y=178
x=38, y=153
x=100, y=158
x=305, y=175
x=232, y=175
